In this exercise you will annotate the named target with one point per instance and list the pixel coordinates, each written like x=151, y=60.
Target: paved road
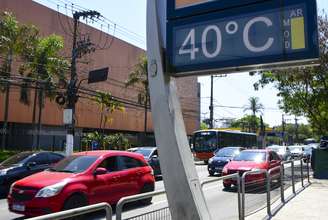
x=222, y=204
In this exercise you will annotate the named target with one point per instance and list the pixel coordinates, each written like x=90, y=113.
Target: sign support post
x=184, y=193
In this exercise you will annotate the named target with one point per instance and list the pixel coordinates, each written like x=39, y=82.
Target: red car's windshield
x=74, y=164
x=251, y=156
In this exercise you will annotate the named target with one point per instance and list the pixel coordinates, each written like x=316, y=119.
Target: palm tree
x=255, y=107
x=48, y=68
x=107, y=106
x=139, y=76
x=14, y=40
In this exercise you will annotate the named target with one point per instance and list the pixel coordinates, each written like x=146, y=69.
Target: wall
x=120, y=58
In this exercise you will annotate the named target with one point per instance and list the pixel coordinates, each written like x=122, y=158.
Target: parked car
x=251, y=160
x=221, y=158
x=151, y=156
x=82, y=179
x=296, y=151
x=24, y=164
x=282, y=151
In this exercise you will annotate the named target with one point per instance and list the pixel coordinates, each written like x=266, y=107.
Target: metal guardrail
x=231, y=176
x=293, y=167
x=134, y=198
x=77, y=212
x=268, y=178
x=243, y=182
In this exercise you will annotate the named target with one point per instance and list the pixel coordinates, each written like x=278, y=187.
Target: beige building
x=120, y=58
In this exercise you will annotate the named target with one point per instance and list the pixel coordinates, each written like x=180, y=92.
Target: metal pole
x=211, y=105
x=293, y=180
x=185, y=196
x=268, y=188
x=302, y=172
x=239, y=199
x=243, y=197
x=308, y=171
x=282, y=190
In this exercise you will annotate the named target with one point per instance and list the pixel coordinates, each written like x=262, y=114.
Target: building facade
x=120, y=58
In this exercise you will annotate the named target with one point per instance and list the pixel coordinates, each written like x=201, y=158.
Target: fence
x=78, y=212
x=271, y=192
x=264, y=182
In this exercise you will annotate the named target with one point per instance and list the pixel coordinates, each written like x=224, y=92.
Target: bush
x=5, y=154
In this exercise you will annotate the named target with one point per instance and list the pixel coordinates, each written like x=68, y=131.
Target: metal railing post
x=243, y=196
x=268, y=188
x=282, y=190
x=239, y=199
x=133, y=198
x=243, y=189
x=302, y=172
x=238, y=180
x=308, y=171
x=293, y=179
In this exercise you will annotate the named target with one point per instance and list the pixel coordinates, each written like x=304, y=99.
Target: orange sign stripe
x=184, y=3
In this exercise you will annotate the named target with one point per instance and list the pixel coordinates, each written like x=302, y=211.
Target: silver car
x=296, y=151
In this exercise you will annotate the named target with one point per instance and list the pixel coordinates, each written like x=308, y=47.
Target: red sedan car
x=249, y=160
x=82, y=179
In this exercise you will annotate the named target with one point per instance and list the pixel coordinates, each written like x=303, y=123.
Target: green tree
x=303, y=131
x=45, y=64
x=203, y=126
x=106, y=142
x=15, y=40
x=139, y=77
x=254, y=106
x=107, y=106
x=248, y=123
x=304, y=91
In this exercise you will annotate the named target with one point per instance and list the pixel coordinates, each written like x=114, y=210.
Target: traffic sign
x=252, y=37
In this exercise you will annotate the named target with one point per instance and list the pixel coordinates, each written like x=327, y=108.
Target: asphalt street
x=222, y=204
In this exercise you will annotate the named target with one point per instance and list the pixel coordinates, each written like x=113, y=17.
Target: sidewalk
x=310, y=204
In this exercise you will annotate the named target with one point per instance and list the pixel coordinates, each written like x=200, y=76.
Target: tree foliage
x=304, y=91
x=248, y=123
x=107, y=105
x=138, y=77
x=115, y=141
x=254, y=105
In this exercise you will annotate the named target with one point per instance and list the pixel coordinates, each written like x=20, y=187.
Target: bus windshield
x=205, y=141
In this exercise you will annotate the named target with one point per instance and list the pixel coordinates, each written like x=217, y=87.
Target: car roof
x=257, y=150
x=102, y=153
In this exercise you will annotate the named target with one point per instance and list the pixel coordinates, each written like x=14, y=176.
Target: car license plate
x=18, y=207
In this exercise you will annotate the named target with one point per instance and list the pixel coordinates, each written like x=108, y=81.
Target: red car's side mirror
x=100, y=171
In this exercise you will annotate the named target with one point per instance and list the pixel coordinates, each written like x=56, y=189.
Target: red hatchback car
x=82, y=179
x=249, y=160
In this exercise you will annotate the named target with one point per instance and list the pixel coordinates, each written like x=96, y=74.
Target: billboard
x=253, y=37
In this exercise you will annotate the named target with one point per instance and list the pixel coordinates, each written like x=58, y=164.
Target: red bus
x=205, y=142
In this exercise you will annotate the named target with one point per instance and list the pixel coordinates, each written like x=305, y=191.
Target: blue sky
x=233, y=90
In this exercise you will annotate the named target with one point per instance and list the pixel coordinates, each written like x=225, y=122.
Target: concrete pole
x=185, y=196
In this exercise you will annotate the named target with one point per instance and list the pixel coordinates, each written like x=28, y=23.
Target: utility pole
x=211, y=104
x=78, y=49
x=283, y=128
x=296, y=129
